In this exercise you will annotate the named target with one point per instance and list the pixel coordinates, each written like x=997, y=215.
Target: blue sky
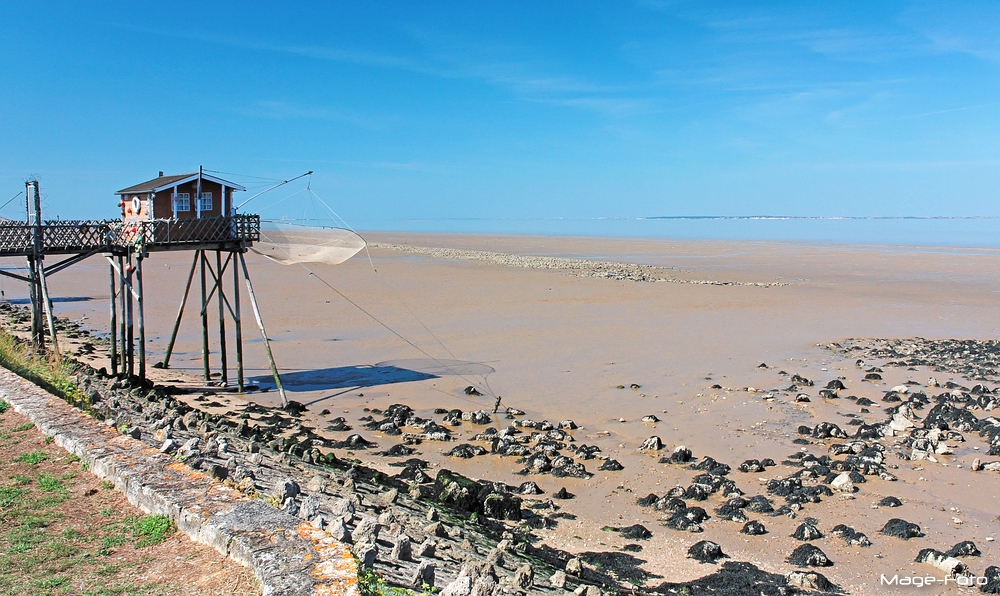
x=513, y=109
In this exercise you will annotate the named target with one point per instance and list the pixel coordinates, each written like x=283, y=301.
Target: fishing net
x=290, y=244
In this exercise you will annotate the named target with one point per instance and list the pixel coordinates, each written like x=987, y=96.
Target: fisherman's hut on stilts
x=183, y=212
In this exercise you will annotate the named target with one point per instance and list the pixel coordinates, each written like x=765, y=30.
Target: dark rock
x=901, y=529
x=502, y=506
x=632, y=548
x=647, y=501
x=688, y=519
x=836, y=384
x=808, y=555
x=562, y=493
x=651, y=444
x=759, y=504
x=966, y=548
x=851, y=536
x=753, y=528
x=466, y=451
x=635, y=532
x=992, y=584
x=611, y=465
x=809, y=580
x=706, y=552
x=529, y=488
x=807, y=531
x=890, y=502
x=398, y=450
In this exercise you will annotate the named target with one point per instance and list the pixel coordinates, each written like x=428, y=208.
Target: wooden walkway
x=119, y=237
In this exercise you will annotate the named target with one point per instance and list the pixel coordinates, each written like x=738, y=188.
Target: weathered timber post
x=114, y=321
x=180, y=312
x=238, y=325
x=263, y=333
x=222, y=318
x=142, y=320
x=130, y=346
x=204, y=321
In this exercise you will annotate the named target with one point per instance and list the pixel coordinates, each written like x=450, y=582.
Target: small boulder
x=753, y=528
x=706, y=551
x=808, y=555
x=901, y=528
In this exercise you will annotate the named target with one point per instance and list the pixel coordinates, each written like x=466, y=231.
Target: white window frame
x=182, y=201
x=205, y=202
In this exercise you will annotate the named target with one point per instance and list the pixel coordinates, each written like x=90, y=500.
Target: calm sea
x=973, y=232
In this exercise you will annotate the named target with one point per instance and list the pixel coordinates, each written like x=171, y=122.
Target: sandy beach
x=709, y=351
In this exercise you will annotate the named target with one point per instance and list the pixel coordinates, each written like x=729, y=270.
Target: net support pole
x=224, y=361
x=142, y=319
x=238, y=331
x=263, y=333
x=204, y=322
x=180, y=313
x=114, y=322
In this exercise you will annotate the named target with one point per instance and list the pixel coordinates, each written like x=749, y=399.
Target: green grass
x=50, y=484
x=32, y=458
x=53, y=375
x=152, y=529
x=20, y=428
x=4, y=406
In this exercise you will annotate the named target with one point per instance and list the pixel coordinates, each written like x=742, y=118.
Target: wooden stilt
x=123, y=325
x=222, y=319
x=37, y=340
x=239, y=326
x=48, y=307
x=142, y=320
x=130, y=343
x=204, y=321
x=263, y=333
x=114, y=322
x=180, y=312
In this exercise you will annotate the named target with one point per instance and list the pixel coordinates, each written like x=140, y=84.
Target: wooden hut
x=177, y=197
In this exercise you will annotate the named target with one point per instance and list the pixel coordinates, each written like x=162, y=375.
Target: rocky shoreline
x=418, y=528
x=578, y=267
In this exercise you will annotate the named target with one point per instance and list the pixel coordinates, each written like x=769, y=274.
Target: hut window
x=205, y=202
x=182, y=201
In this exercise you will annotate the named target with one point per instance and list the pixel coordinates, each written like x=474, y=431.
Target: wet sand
x=559, y=346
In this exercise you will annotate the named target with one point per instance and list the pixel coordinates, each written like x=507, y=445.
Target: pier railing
x=67, y=236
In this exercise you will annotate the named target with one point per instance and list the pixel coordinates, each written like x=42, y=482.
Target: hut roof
x=164, y=182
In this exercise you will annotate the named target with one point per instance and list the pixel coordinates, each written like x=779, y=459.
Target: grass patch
x=53, y=375
x=20, y=428
x=4, y=406
x=32, y=458
x=50, y=484
x=152, y=529
x=10, y=496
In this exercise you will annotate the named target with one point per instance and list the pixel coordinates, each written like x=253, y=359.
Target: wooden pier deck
x=67, y=237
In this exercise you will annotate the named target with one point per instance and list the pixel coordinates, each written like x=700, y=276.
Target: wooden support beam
x=123, y=369
x=223, y=358
x=263, y=333
x=204, y=321
x=70, y=261
x=130, y=344
x=180, y=312
x=239, y=327
x=142, y=320
x=114, y=320
x=50, y=317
